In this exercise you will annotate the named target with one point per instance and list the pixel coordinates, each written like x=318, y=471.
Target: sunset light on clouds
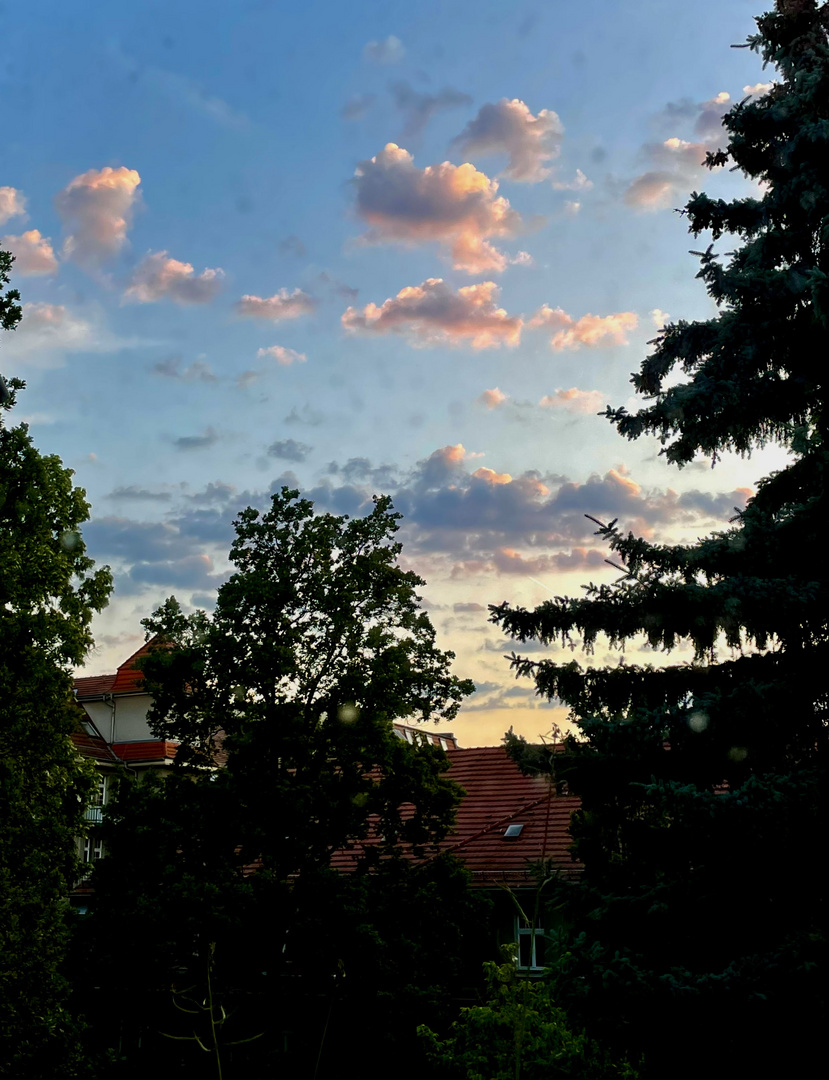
x=417, y=254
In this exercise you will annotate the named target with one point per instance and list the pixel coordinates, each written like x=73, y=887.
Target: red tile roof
x=145, y=751
x=89, y=686
x=126, y=680
x=497, y=795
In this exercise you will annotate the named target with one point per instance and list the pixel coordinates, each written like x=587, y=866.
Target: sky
x=359, y=249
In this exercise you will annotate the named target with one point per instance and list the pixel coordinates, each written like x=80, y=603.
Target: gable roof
x=126, y=680
x=497, y=795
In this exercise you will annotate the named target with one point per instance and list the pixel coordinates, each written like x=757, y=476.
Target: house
x=507, y=823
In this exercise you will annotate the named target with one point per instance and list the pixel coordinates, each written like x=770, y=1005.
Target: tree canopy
x=48, y=593
x=703, y=781
x=291, y=686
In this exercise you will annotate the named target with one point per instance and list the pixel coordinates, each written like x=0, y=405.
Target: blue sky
x=364, y=248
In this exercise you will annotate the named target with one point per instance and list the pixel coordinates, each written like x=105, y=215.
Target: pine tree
x=48, y=593
x=703, y=783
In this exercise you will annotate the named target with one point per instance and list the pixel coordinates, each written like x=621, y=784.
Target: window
x=531, y=945
x=94, y=812
x=92, y=849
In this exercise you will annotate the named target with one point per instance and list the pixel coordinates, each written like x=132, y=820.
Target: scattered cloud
x=386, y=52
x=209, y=437
x=133, y=493
x=282, y=355
x=433, y=314
x=492, y=398
x=96, y=209
x=282, y=305
x=578, y=183
x=454, y=205
x=508, y=127
x=158, y=277
x=247, y=378
x=575, y=400
x=589, y=330
x=46, y=332
x=357, y=106
x=33, y=253
x=758, y=88
x=12, y=204
x=677, y=164
x=306, y=416
x=290, y=450
x=419, y=108
x=571, y=208
x=198, y=371
x=659, y=317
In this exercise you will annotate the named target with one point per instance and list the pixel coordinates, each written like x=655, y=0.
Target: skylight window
x=513, y=831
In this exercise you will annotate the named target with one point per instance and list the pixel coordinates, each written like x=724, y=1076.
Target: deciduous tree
x=48, y=593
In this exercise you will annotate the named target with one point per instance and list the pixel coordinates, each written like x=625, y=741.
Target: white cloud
x=158, y=277
x=48, y=331
x=508, y=127
x=578, y=183
x=432, y=314
x=33, y=253
x=659, y=317
x=282, y=305
x=96, y=208
x=758, y=88
x=12, y=204
x=282, y=355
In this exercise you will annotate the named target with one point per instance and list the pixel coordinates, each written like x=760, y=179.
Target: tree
x=703, y=783
x=316, y=646
x=48, y=593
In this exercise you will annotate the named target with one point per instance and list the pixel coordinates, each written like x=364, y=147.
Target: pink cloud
x=589, y=330
x=282, y=305
x=158, y=277
x=509, y=127
x=97, y=208
x=575, y=400
x=432, y=314
x=282, y=355
x=492, y=398
x=12, y=204
x=33, y=253
x=454, y=205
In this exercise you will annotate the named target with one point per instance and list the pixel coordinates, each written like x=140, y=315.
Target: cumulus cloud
x=758, y=88
x=492, y=398
x=290, y=450
x=282, y=355
x=571, y=208
x=575, y=400
x=386, y=52
x=508, y=127
x=677, y=164
x=33, y=253
x=454, y=205
x=96, y=209
x=198, y=371
x=12, y=204
x=158, y=277
x=659, y=317
x=282, y=305
x=589, y=330
x=419, y=108
x=433, y=314
x=133, y=493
